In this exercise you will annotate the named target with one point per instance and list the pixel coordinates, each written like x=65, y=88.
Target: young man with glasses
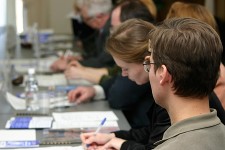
x=185, y=71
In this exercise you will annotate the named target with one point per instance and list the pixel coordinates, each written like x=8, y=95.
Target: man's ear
x=165, y=76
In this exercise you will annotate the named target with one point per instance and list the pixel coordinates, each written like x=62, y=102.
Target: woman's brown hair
x=197, y=11
x=128, y=42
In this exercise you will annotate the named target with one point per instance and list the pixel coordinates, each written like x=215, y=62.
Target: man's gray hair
x=95, y=7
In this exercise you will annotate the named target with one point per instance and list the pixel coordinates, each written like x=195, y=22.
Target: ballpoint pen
x=98, y=129
x=100, y=126
x=67, y=53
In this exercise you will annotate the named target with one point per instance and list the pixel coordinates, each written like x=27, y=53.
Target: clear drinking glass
x=44, y=101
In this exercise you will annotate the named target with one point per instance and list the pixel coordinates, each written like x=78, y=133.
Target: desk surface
x=6, y=111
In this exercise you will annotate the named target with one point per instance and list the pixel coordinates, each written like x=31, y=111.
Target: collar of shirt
x=190, y=124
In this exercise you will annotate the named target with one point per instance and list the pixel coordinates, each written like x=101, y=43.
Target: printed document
x=84, y=116
x=19, y=103
x=17, y=135
x=51, y=148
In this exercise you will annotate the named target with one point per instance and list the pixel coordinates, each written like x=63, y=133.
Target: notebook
x=68, y=136
x=16, y=138
x=60, y=137
x=29, y=122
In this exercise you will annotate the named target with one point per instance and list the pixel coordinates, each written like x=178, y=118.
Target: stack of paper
x=57, y=79
x=24, y=139
x=54, y=148
x=18, y=138
x=87, y=119
x=50, y=80
x=41, y=65
x=19, y=103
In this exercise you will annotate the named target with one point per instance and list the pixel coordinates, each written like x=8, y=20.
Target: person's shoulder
x=106, y=28
x=211, y=137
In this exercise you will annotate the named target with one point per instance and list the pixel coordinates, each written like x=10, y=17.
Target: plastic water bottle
x=31, y=89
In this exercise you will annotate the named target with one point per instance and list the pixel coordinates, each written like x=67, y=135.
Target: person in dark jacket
x=95, y=14
x=117, y=88
x=129, y=57
x=83, y=35
x=123, y=11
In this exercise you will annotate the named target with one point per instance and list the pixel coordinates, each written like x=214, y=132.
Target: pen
x=100, y=126
x=67, y=53
x=98, y=129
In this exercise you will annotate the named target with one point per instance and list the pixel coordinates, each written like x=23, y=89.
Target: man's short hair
x=135, y=9
x=191, y=50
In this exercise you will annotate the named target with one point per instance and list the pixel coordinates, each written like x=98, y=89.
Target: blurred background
x=55, y=14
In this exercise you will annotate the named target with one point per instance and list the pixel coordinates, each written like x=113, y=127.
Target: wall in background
x=220, y=9
x=53, y=13
x=10, y=12
x=210, y=4
x=50, y=14
x=59, y=10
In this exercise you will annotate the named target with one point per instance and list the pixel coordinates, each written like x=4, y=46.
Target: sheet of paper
x=84, y=116
x=42, y=65
x=84, y=124
x=15, y=102
x=19, y=103
x=79, y=82
x=63, y=103
x=50, y=80
x=52, y=148
x=57, y=80
x=17, y=135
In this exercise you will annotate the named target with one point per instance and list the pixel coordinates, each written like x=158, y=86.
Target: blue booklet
x=29, y=122
x=18, y=144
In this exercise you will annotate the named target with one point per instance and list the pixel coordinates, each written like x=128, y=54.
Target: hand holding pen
x=98, y=129
x=96, y=139
x=101, y=141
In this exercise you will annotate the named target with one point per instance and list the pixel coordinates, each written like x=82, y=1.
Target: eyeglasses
x=147, y=64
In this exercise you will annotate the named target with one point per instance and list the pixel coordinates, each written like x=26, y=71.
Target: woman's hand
x=95, y=141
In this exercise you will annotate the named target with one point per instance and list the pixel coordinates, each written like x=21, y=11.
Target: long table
x=6, y=111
